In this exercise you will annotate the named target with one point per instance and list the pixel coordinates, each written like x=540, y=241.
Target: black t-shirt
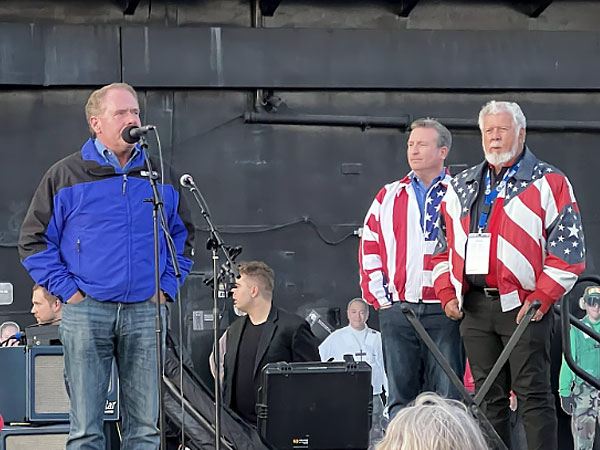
x=244, y=393
x=478, y=206
x=476, y=210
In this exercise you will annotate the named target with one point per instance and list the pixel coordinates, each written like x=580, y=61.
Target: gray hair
x=495, y=107
x=358, y=300
x=361, y=301
x=444, y=136
x=94, y=104
x=433, y=422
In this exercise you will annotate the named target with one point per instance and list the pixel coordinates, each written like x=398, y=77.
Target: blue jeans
x=92, y=334
x=409, y=365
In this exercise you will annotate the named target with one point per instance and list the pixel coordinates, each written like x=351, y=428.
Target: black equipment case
x=324, y=405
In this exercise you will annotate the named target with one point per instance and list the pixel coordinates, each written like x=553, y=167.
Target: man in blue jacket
x=88, y=239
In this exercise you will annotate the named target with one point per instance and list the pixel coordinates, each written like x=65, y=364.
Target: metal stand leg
x=474, y=404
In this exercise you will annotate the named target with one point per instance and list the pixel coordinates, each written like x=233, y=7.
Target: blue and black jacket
x=88, y=228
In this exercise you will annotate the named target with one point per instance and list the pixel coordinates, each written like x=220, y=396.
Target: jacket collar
x=90, y=153
x=525, y=172
x=528, y=162
x=404, y=182
x=266, y=337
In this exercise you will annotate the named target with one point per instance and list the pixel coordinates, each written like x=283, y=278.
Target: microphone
x=132, y=134
x=187, y=181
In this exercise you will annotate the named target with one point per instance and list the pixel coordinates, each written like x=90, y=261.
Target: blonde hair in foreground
x=433, y=423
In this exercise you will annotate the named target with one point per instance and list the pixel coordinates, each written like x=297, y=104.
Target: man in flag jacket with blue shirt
x=511, y=234
x=88, y=239
x=396, y=248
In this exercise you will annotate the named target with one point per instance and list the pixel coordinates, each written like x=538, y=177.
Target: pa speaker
x=50, y=437
x=323, y=406
x=47, y=398
x=12, y=384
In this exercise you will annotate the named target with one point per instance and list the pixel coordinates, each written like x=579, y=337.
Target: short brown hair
x=260, y=271
x=47, y=295
x=93, y=107
x=444, y=136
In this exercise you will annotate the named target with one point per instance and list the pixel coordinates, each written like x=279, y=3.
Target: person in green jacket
x=578, y=398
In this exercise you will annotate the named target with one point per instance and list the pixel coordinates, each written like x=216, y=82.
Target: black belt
x=488, y=291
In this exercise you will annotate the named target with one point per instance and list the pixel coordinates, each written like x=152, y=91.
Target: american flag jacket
x=396, y=249
x=540, y=250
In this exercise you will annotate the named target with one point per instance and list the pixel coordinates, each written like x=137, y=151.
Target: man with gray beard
x=512, y=235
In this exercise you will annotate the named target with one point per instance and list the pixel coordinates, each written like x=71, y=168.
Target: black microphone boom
x=132, y=134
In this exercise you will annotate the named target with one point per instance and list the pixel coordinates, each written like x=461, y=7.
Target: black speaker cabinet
x=47, y=398
x=32, y=387
x=49, y=437
x=12, y=384
x=323, y=406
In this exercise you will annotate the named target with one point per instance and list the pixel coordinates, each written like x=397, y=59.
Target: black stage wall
x=291, y=123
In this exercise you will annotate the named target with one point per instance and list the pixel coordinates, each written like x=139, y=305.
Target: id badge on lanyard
x=477, y=260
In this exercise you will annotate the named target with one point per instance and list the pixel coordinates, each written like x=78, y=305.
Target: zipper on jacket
x=124, y=182
x=78, y=245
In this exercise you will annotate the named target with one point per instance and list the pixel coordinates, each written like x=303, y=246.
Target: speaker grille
x=46, y=441
x=49, y=387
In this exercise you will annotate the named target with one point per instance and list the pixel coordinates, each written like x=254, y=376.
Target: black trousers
x=485, y=330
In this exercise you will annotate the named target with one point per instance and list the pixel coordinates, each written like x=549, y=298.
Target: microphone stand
x=157, y=214
x=214, y=243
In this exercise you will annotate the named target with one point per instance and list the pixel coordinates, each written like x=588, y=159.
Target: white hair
x=433, y=423
x=495, y=107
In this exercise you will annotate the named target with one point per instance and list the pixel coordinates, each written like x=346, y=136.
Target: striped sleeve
x=565, y=252
x=372, y=257
x=449, y=255
x=441, y=265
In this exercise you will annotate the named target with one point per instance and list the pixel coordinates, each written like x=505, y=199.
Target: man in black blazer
x=266, y=334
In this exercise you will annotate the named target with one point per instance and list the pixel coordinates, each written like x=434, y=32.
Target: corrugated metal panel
x=360, y=59
x=33, y=54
